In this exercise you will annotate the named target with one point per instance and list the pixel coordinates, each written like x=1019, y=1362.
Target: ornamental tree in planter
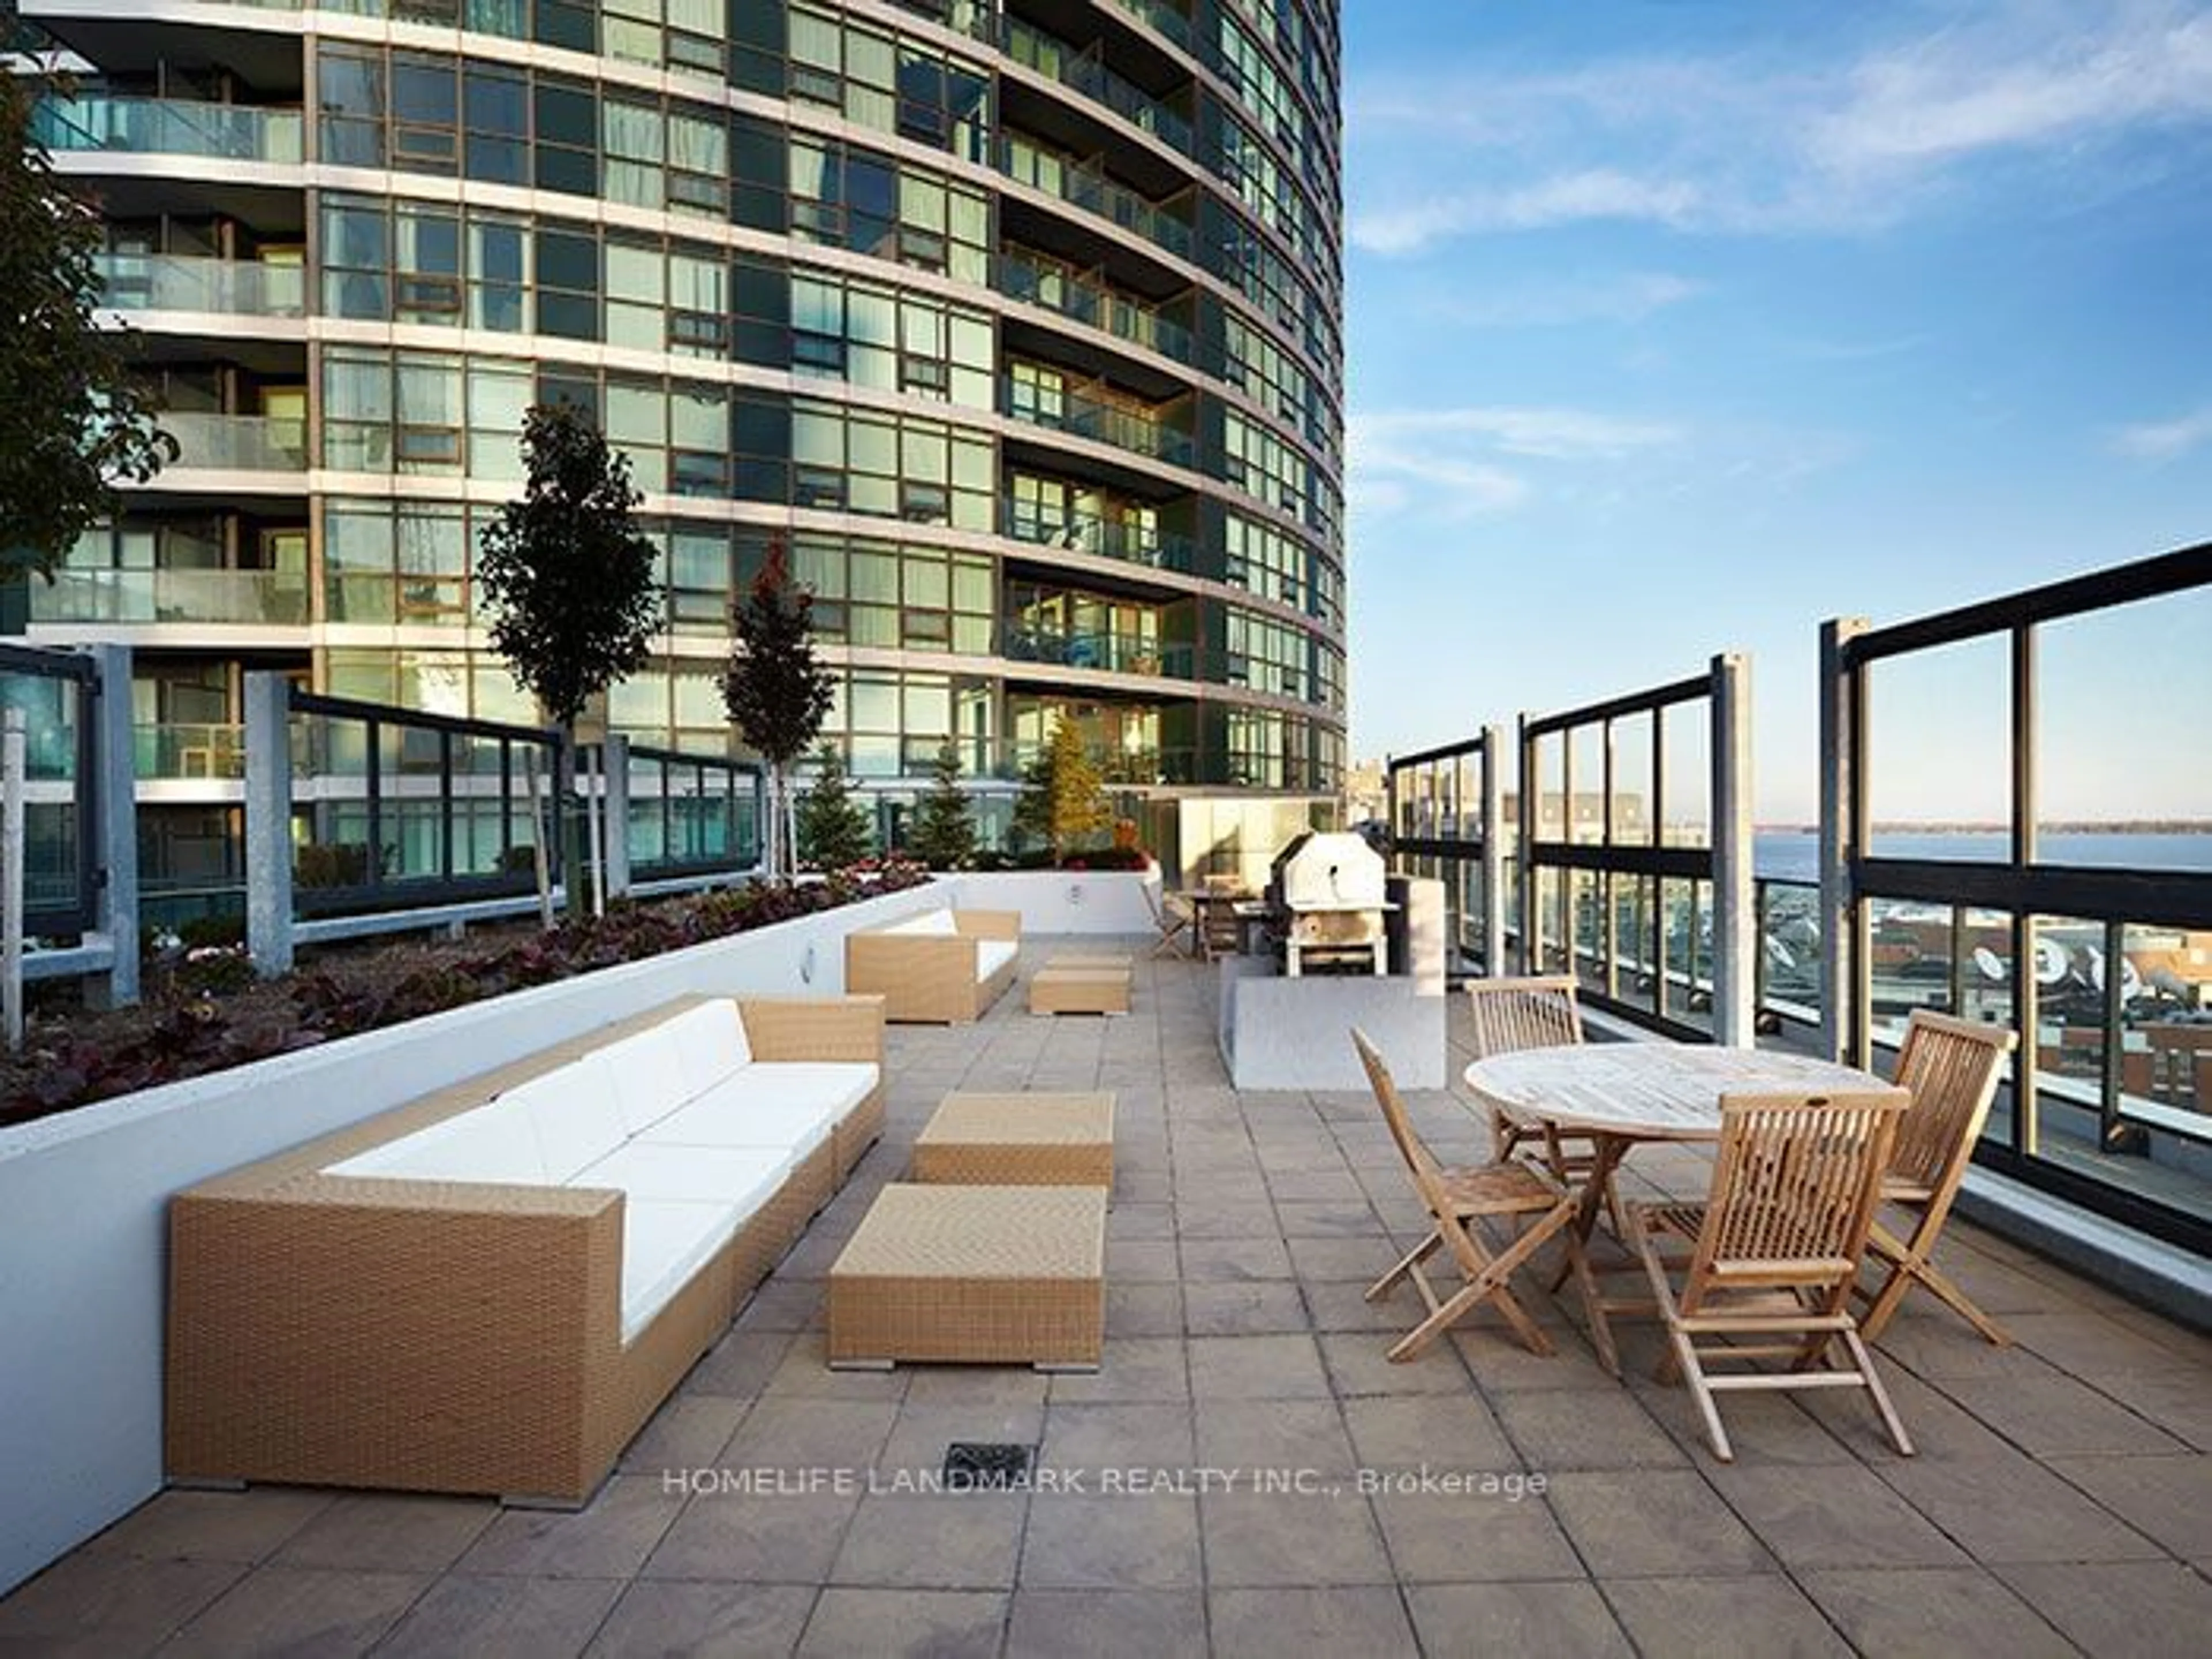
x=834, y=831
x=567, y=574
x=1062, y=799
x=777, y=692
x=942, y=832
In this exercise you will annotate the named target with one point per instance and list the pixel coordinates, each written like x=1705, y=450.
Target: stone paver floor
x=1243, y=1474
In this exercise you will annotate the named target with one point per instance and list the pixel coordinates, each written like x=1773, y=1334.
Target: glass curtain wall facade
x=1016, y=323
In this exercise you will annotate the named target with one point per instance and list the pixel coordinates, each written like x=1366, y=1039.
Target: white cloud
x=1630, y=298
x=1451, y=463
x=1559, y=435
x=1755, y=143
x=1567, y=198
x=2166, y=440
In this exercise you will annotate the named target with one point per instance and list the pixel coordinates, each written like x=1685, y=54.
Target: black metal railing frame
x=737, y=774
x=1607, y=859
x=1464, y=840
x=2021, y=885
x=380, y=891
x=81, y=914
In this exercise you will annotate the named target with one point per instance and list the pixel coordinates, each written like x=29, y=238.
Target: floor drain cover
x=981, y=1466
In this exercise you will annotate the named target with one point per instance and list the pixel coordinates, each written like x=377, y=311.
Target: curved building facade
x=1016, y=322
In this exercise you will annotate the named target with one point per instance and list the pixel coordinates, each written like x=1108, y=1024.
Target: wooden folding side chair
x=1533, y=1011
x=1775, y=1248
x=1951, y=1067
x=1169, y=917
x=1457, y=1199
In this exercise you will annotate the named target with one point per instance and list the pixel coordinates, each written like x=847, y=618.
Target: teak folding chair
x=1775, y=1248
x=1457, y=1199
x=1535, y=1011
x=1172, y=917
x=1951, y=1067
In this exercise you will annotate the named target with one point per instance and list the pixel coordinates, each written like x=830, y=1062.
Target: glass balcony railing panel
x=1048, y=55
x=1086, y=187
x=1083, y=417
x=1789, y=975
x=1120, y=653
x=171, y=596
x=190, y=749
x=1165, y=20
x=241, y=288
x=1054, y=288
x=1105, y=538
x=237, y=443
x=168, y=126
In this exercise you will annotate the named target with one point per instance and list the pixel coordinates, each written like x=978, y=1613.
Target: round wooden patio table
x=1621, y=1093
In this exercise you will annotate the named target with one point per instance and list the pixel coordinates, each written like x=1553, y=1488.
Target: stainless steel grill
x=1327, y=895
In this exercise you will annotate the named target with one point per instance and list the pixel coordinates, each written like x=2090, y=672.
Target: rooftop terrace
x=2060, y=1500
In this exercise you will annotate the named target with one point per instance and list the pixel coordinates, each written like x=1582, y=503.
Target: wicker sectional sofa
x=491, y=1288
x=946, y=966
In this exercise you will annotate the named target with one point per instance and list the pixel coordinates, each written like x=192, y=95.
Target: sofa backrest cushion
x=992, y=954
x=496, y=1143
x=572, y=1109
x=649, y=1080
x=933, y=924
x=710, y=1043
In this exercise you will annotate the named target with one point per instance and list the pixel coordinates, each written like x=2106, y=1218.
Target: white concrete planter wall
x=1067, y=901
x=84, y=1195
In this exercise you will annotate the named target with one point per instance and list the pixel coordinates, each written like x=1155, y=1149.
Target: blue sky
x=1676, y=326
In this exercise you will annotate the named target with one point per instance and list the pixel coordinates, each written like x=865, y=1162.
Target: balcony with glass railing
x=1036, y=280
x=187, y=749
x=168, y=126
x=1102, y=538
x=1081, y=71
x=265, y=598
x=235, y=443
x=1080, y=184
x=236, y=288
x=1023, y=641
x=1080, y=415
x=1166, y=20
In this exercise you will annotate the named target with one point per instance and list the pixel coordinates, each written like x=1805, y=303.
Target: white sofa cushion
x=649, y=1080
x=932, y=923
x=710, y=1043
x=833, y=1087
x=992, y=954
x=572, y=1110
x=790, y=1105
x=664, y=1244
x=739, y=1178
x=496, y=1143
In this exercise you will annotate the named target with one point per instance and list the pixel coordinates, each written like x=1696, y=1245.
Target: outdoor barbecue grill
x=1326, y=898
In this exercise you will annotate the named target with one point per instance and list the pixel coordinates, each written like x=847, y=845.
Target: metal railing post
x=115, y=833
x=1532, y=927
x=614, y=767
x=1840, y=739
x=13, y=784
x=1734, y=923
x=269, y=822
x=1493, y=850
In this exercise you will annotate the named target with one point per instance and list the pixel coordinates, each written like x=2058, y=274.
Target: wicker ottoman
x=1110, y=960
x=1079, y=991
x=1007, y=1275
x=1018, y=1140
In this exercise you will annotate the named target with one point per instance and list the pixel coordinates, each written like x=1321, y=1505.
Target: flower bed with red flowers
x=205, y=1020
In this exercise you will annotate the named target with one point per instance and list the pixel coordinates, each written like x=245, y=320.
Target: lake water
x=1794, y=855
